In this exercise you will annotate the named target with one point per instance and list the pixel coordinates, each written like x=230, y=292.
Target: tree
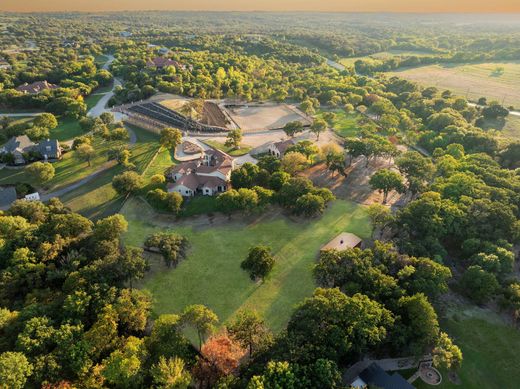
x=304, y=147
x=276, y=375
x=220, y=357
x=37, y=133
x=385, y=181
x=332, y=325
x=259, y=262
x=416, y=168
x=85, y=152
x=14, y=370
x=167, y=340
x=380, y=216
x=201, y=318
x=318, y=127
x=309, y=205
x=418, y=323
x=292, y=128
x=446, y=355
x=170, y=373
x=46, y=120
x=127, y=182
x=41, y=171
x=294, y=162
x=330, y=118
x=123, y=367
x=335, y=162
x=478, y=284
x=107, y=118
x=234, y=138
x=250, y=331
x=111, y=227
x=170, y=138
x=172, y=246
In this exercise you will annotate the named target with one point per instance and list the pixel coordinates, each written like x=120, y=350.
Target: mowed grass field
x=387, y=54
x=211, y=273
x=345, y=124
x=490, y=350
x=472, y=81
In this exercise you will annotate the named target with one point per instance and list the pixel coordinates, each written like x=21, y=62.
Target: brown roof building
x=35, y=87
x=162, y=62
x=343, y=241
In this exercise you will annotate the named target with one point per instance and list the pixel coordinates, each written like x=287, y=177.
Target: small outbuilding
x=343, y=241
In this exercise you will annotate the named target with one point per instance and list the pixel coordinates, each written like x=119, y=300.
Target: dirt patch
x=354, y=185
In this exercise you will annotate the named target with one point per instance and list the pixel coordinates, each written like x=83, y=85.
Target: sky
x=473, y=6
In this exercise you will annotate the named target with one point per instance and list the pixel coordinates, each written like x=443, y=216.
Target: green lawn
x=67, y=170
x=490, y=350
x=68, y=128
x=199, y=205
x=244, y=149
x=346, y=124
x=508, y=128
x=93, y=99
x=97, y=198
x=211, y=274
x=100, y=59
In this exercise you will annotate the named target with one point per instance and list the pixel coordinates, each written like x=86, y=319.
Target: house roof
x=36, y=87
x=343, y=241
x=194, y=182
x=284, y=145
x=183, y=167
x=20, y=143
x=7, y=196
x=161, y=62
x=374, y=375
x=49, y=146
x=190, y=181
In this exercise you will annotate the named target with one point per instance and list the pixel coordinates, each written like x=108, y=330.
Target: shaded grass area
x=211, y=274
x=68, y=128
x=244, y=149
x=199, y=205
x=345, y=124
x=98, y=198
x=490, y=350
x=93, y=99
x=508, y=128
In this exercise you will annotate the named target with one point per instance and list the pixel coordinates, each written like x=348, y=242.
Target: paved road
x=335, y=65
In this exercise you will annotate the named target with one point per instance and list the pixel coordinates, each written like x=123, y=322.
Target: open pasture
x=494, y=80
x=211, y=273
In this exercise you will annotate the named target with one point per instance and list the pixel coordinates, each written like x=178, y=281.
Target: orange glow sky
x=266, y=5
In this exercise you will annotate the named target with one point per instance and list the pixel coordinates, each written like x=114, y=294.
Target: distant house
x=278, y=149
x=20, y=146
x=33, y=196
x=163, y=62
x=208, y=175
x=35, y=87
x=7, y=196
x=50, y=149
x=4, y=65
x=125, y=34
x=163, y=51
x=373, y=376
x=343, y=241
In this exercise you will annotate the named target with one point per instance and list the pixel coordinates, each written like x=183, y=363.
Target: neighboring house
x=50, y=149
x=19, y=146
x=208, y=175
x=162, y=62
x=4, y=65
x=33, y=196
x=343, y=241
x=278, y=149
x=373, y=376
x=7, y=196
x=125, y=34
x=35, y=87
x=163, y=51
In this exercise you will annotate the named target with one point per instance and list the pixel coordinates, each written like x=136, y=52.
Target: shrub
x=259, y=262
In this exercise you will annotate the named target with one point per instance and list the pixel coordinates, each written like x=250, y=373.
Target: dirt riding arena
x=258, y=117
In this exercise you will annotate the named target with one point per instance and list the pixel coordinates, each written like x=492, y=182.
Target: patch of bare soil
x=354, y=185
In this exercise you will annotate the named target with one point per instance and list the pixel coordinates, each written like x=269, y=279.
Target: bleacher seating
x=172, y=118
